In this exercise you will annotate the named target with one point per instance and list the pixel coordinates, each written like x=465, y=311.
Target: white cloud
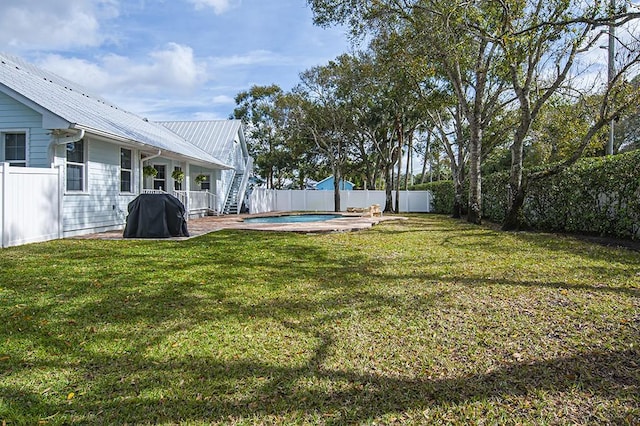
x=251, y=58
x=219, y=6
x=80, y=71
x=158, y=85
x=204, y=116
x=173, y=68
x=54, y=24
x=223, y=100
x=170, y=70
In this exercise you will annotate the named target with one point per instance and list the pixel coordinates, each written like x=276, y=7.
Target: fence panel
x=266, y=200
x=30, y=205
x=262, y=200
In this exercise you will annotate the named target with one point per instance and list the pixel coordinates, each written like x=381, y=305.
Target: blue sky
x=170, y=59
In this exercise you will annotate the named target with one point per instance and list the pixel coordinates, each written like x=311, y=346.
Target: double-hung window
x=177, y=183
x=160, y=180
x=76, y=169
x=15, y=148
x=126, y=171
x=206, y=183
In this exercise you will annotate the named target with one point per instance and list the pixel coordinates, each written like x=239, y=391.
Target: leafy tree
x=452, y=37
x=557, y=130
x=259, y=110
x=542, y=41
x=319, y=116
x=373, y=120
x=627, y=128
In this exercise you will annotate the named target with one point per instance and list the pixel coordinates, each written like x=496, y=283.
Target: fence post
x=4, y=172
x=61, y=186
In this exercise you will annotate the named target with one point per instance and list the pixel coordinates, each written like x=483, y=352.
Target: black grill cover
x=156, y=216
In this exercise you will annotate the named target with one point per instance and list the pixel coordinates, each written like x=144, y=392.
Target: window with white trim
x=15, y=148
x=76, y=168
x=160, y=180
x=126, y=170
x=177, y=184
x=205, y=185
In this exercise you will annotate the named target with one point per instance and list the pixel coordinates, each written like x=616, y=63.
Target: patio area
x=207, y=224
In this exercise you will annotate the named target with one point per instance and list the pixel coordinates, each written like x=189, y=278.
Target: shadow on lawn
x=597, y=248
x=283, y=393
x=127, y=387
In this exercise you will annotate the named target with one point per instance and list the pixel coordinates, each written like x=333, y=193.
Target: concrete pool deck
x=207, y=224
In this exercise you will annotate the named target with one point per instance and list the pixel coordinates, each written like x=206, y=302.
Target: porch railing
x=194, y=201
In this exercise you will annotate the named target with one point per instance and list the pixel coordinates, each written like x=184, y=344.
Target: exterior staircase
x=233, y=203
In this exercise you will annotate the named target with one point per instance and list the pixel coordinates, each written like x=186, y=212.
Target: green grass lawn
x=425, y=321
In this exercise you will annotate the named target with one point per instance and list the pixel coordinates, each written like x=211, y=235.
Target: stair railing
x=226, y=196
x=243, y=185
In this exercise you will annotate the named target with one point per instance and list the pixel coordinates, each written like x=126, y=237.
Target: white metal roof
x=83, y=110
x=214, y=136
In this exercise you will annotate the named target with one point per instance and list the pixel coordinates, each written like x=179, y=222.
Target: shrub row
x=595, y=196
x=442, y=192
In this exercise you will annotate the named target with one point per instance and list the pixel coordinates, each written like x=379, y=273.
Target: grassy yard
x=425, y=321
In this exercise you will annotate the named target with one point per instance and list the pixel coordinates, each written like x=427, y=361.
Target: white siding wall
x=101, y=207
x=16, y=116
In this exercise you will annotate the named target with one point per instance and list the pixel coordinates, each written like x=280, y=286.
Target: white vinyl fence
x=30, y=205
x=267, y=200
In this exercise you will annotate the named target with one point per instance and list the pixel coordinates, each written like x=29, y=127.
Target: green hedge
x=494, y=196
x=443, y=195
x=595, y=196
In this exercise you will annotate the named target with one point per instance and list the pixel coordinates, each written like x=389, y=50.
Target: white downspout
x=151, y=157
x=63, y=141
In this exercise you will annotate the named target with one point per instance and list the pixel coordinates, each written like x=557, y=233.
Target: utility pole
x=611, y=70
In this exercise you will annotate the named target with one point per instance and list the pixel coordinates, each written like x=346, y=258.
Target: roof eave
x=198, y=161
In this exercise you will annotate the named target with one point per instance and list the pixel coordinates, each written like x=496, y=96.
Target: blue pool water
x=293, y=218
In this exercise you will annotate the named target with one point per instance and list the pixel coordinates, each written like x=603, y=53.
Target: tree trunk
x=457, y=168
x=427, y=154
x=396, y=207
x=409, y=162
x=457, y=196
x=513, y=218
x=474, y=214
x=388, y=188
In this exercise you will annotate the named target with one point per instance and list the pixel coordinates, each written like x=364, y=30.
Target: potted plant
x=201, y=178
x=150, y=171
x=178, y=175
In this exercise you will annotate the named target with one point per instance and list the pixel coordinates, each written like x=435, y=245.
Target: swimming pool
x=293, y=218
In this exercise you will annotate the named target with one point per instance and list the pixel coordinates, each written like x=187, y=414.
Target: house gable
x=17, y=117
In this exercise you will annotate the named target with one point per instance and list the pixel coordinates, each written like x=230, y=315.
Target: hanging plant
x=201, y=178
x=178, y=175
x=150, y=171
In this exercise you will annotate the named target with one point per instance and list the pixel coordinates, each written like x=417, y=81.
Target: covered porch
x=196, y=203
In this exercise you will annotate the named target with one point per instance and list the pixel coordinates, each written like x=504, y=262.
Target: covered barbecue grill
x=156, y=216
